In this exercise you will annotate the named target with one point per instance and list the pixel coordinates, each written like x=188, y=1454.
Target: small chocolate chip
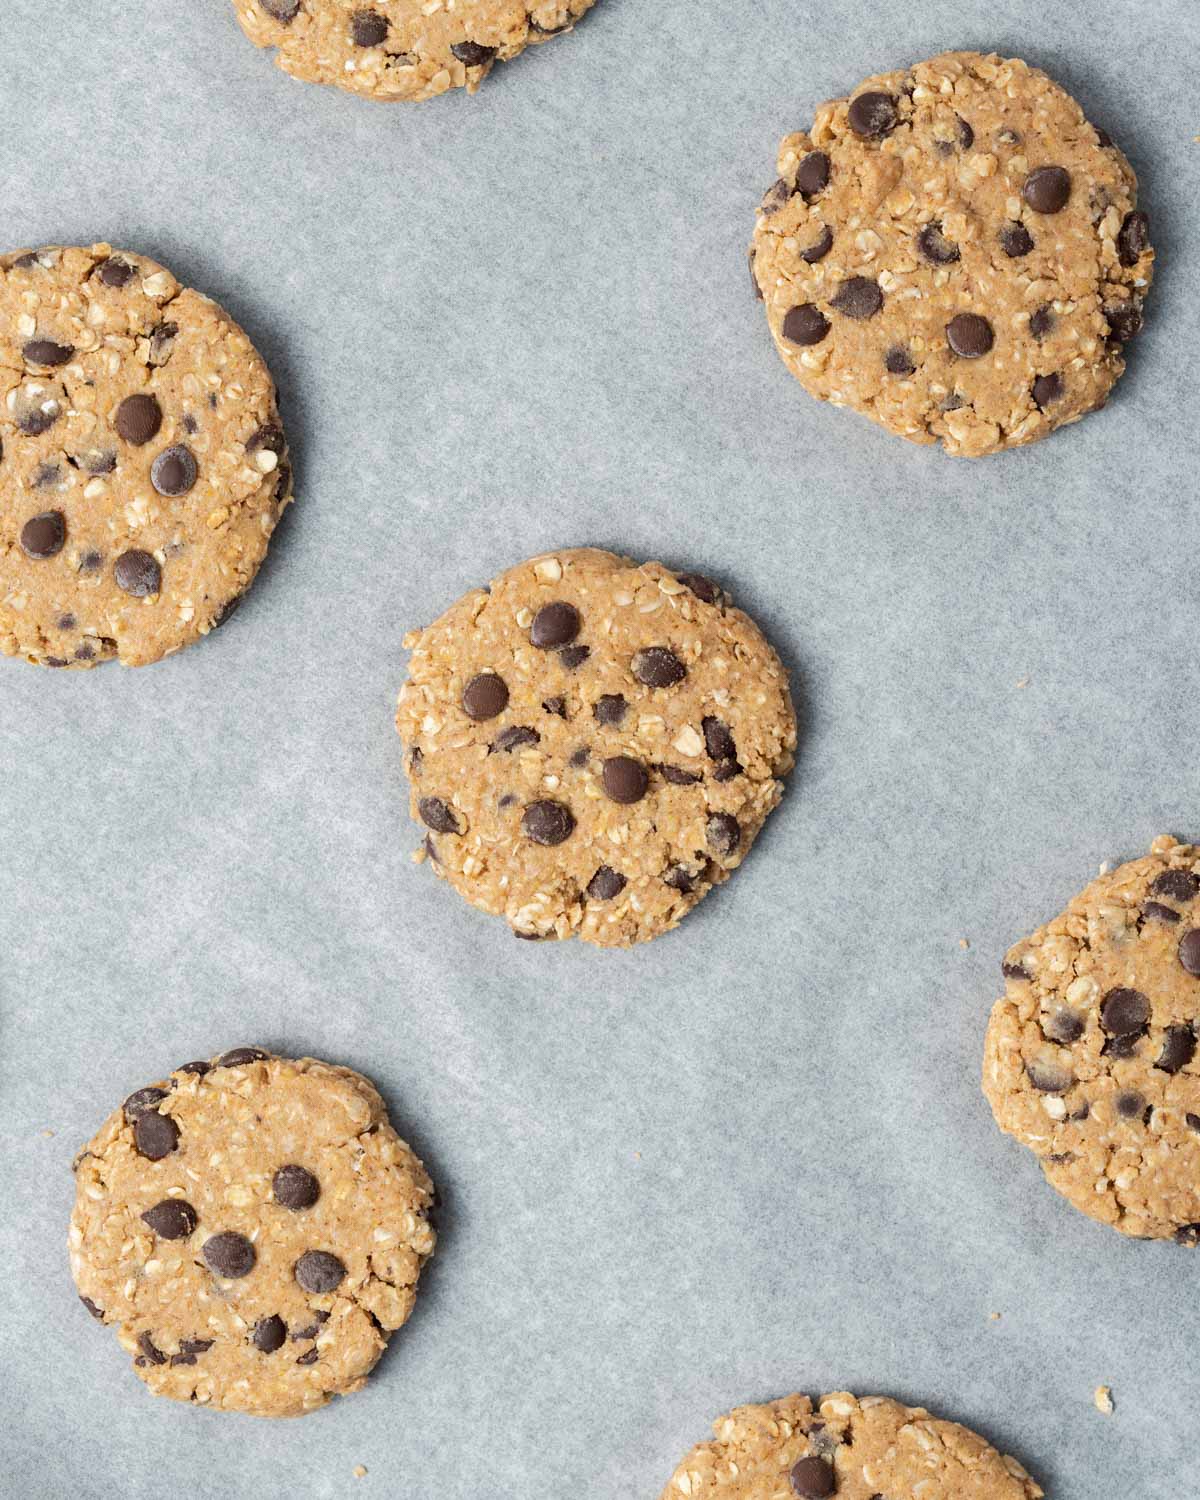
x=1041, y=321
x=813, y=1478
x=966, y=136
x=820, y=248
x=46, y=352
x=1193, y=1123
x=33, y=423
x=556, y=706
x=579, y=758
x=1179, y=1047
x=610, y=708
x=195, y=1346
x=935, y=247
x=898, y=361
x=162, y=346
x=238, y=1057
x=485, y=696
x=155, y=1135
x=547, y=823
x=229, y=1254
x=174, y=471
x=283, y=11
x=859, y=297
x=872, y=115
x=310, y=1358
x=295, y=1188
x=1047, y=1078
x=1133, y=240
x=138, y=419
x=514, y=737
x=66, y=622
x=115, y=272
x=679, y=879
x=368, y=28
x=677, y=776
x=718, y=741
x=1015, y=241
x=1047, y=189
x=703, y=588
x=269, y=435
x=554, y=625
x=605, y=884
x=724, y=833
x=472, y=54
x=812, y=174
x=1129, y=1105
x=311, y=1330
x=1155, y=911
x=1176, y=885
x=1047, y=389
x=142, y=1100
x=269, y=1334
x=199, y=1068
x=1124, y=1011
x=574, y=656
x=658, y=667
x=96, y=1312
x=1063, y=1025
x=317, y=1271
x=624, y=779
x=1124, y=320
x=91, y=561
x=45, y=475
x=137, y=573
x=97, y=461
x=172, y=1219
x=1122, y=1046
x=805, y=325
x=151, y=1354
x=44, y=536
x=437, y=815
x=776, y=196
x=969, y=335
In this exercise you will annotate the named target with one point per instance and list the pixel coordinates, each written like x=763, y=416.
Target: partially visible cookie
x=143, y=466
x=593, y=745
x=956, y=253
x=402, y=49
x=1091, y=1056
x=868, y=1449
x=254, y=1228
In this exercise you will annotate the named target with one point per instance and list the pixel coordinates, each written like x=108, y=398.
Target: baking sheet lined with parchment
x=751, y=1157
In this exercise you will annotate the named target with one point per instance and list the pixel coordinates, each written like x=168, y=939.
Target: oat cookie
x=593, y=745
x=1091, y=1058
x=254, y=1228
x=143, y=466
x=955, y=252
x=868, y=1449
x=402, y=49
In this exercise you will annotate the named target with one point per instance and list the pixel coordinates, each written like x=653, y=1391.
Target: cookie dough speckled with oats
x=868, y=1449
x=593, y=745
x=1091, y=1056
x=143, y=467
x=402, y=49
x=254, y=1229
x=955, y=252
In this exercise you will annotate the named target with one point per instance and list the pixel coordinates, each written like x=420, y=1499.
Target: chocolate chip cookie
x=955, y=252
x=593, y=745
x=1091, y=1058
x=868, y=1449
x=402, y=49
x=254, y=1229
x=143, y=466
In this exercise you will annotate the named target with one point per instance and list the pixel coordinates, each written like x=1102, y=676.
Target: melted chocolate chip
x=311, y=1330
x=610, y=708
x=969, y=335
x=96, y=1312
x=624, y=779
x=142, y=1100
x=138, y=419
x=137, y=573
x=310, y=1358
x=679, y=879
x=658, y=667
x=485, y=696
x=547, y=823
x=605, y=884
x=872, y=115
x=935, y=247
x=317, y=1271
x=1047, y=1078
x=724, y=833
x=1015, y=241
x=556, y=706
x=295, y=1188
x=284, y=11
x=805, y=325
x=1129, y=1104
x=437, y=815
x=859, y=297
x=554, y=625
x=1063, y=1025
x=1047, y=189
x=228, y=1254
x=172, y=1219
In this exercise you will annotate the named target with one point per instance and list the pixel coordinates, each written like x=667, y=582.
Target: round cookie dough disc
x=955, y=252
x=1091, y=1057
x=402, y=49
x=593, y=745
x=254, y=1228
x=868, y=1449
x=143, y=467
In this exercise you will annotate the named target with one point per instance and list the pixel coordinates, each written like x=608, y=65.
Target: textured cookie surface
x=593, y=745
x=402, y=49
x=254, y=1228
x=142, y=464
x=868, y=1449
x=955, y=252
x=1090, y=1058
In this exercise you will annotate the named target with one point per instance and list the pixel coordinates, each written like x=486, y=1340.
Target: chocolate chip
x=579, y=758
x=66, y=622
x=1133, y=240
x=1176, y=885
x=935, y=247
x=1122, y=1046
x=1129, y=1104
x=753, y=277
x=554, y=625
x=485, y=696
x=1179, y=1047
x=820, y=248
x=677, y=776
x=1188, y=1234
x=437, y=815
x=859, y=297
x=115, y=272
x=805, y=325
x=872, y=115
x=813, y=1478
x=574, y=656
x=1048, y=1078
x=172, y=1219
x=270, y=436
x=138, y=419
x=1063, y=1025
x=547, y=823
x=137, y=573
x=295, y=1188
x=658, y=667
x=605, y=884
x=91, y=561
x=45, y=475
x=310, y=1332
x=1155, y=911
x=174, y=471
x=195, y=1346
x=1015, y=240
x=1124, y=320
x=718, y=741
x=556, y=706
x=45, y=535
x=162, y=345
x=514, y=737
x=1046, y=390
x=199, y=1068
x=368, y=28
x=966, y=136
x=969, y=335
x=703, y=588
x=151, y=1354
x=898, y=361
x=141, y=1101
x=1041, y=321
x=624, y=779
x=812, y=174
x=317, y=1271
x=229, y=1254
x=238, y=1057
x=46, y=352
x=1193, y=1123
x=269, y=1334
x=1124, y=1012
x=97, y=461
x=472, y=54
x=1047, y=189
x=283, y=11
x=610, y=708
x=155, y=1135
x=679, y=879
x=776, y=196
x=724, y=833
x=84, y=652
x=310, y=1358
x=96, y=1312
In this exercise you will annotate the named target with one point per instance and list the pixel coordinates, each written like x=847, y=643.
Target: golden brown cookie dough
x=593, y=745
x=402, y=49
x=143, y=467
x=868, y=1449
x=254, y=1228
x=955, y=252
x=1091, y=1058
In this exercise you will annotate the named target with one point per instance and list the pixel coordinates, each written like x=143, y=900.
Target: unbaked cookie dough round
x=593, y=745
x=402, y=49
x=868, y=1449
x=254, y=1228
x=956, y=253
x=1091, y=1057
x=143, y=466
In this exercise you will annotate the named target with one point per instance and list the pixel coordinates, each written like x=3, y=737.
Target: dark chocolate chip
x=45, y=535
x=605, y=884
x=610, y=708
x=155, y=1135
x=554, y=625
x=820, y=248
x=33, y=423
x=172, y=1219
x=1189, y=951
x=1124, y=1011
x=238, y=1057
x=969, y=335
x=658, y=667
x=229, y=1254
x=1133, y=240
x=45, y=475
x=46, y=352
x=195, y=1346
x=310, y=1358
x=283, y=11
x=142, y=1100
x=151, y=1354
x=485, y=696
x=1041, y=321
x=1176, y=885
x=805, y=325
x=269, y=435
x=162, y=346
x=898, y=361
x=579, y=758
x=547, y=823
x=872, y=115
x=677, y=776
x=966, y=136
x=91, y=561
x=437, y=815
x=1124, y=320
x=174, y=471
x=199, y=1068
x=317, y=1271
x=295, y=1188
x=138, y=419
x=703, y=588
x=935, y=247
x=1014, y=971
x=624, y=779
x=472, y=54
x=368, y=28
x=859, y=297
x=1047, y=1078
x=724, y=833
x=574, y=656
x=514, y=737
x=1063, y=1025
x=717, y=739
x=1047, y=389
x=1122, y=1046
x=1129, y=1104
x=66, y=622
x=1047, y=189
x=311, y=1330
x=679, y=879
x=813, y=1478
x=269, y=1334
x=84, y=652
x=97, y=461
x=1193, y=1123
x=1155, y=911
x=812, y=174
x=1015, y=241
x=557, y=706
x=96, y=1312
x=1179, y=1047
x=115, y=272
x=137, y=573
x=776, y=196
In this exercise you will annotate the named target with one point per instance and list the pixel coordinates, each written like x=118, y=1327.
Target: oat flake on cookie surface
x=143, y=466
x=1091, y=1057
x=868, y=1449
x=593, y=745
x=402, y=49
x=254, y=1229
x=955, y=252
